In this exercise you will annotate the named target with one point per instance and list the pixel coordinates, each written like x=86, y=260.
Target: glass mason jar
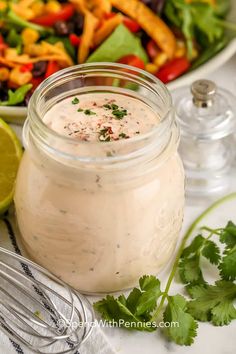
x=100, y=215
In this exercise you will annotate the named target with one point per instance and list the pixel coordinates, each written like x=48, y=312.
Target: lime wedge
x=10, y=155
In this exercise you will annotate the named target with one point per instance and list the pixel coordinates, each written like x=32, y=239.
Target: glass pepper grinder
x=206, y=115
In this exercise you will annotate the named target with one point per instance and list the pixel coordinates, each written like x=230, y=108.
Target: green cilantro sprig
x=214, y=303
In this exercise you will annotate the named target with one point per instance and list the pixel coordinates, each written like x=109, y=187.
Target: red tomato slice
x=74, y=39
x=173, y=69
x=52, y=68
x=36, y=81
x=26, y=67
x=132, y=60
x=64, y=14
x=109, y=15
x=132, y=25
x=152, y=49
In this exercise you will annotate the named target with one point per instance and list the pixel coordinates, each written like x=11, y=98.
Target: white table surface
x=210, y=339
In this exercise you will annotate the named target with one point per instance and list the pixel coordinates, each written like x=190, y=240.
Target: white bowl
x=18, y=114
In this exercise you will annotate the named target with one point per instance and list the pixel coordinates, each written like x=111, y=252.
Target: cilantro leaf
x=136, y=308
x=194, y=246
x=211, y=251
x=149, y=282
x=228, y=235
x=17, y=96
x=185, y=330
x=189, y=265
x=151, y=292
x=116, y=310
x=189, y=269
x=228, y=265
x=213, y=302
x=132, y=299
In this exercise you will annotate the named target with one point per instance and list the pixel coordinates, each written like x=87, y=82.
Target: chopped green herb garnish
x=80, y=110
x=104, y=135
x=114, y=106
x=89, y=112
x=108, y=106
x=123, y=136
x=119, y=114
x=75, y=100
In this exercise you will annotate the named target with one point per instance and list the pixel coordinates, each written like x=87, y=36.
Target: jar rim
x=146, y=79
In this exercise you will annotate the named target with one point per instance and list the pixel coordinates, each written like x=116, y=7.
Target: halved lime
x=10, y=155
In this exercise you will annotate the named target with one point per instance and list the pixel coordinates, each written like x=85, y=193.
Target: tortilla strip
x=16, y=62
x=106, y=29
x=80, y=5
x=8, y=63
x=26, y=3
x=150, y=22
x=90, y=24
x=100, y=7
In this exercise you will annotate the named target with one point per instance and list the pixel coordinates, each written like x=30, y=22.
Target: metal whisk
x=38, y=310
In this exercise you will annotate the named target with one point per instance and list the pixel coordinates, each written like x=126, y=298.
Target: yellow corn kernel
x=194, y=53
x=3, y=5
x=4, y=74
x=151, y=68
x=38, y=8
x=19, y=78
x=180, y=49
x=29, y=36
x=25, y=13
x=160, y=59
x=53, y=6
x=35, y=50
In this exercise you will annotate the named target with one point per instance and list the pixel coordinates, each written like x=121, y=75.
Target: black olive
x=155, y=5
x=61, y=28
x=78, y=21
x=39, y=68
x=3, y=91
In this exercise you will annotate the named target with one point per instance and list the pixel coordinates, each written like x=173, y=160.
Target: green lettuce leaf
x=120, y=43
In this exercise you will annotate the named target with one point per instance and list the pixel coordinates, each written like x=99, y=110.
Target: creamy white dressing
x=101, y=117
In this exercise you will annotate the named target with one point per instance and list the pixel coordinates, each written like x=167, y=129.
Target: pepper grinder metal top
x=207, y=119
x=204, y=92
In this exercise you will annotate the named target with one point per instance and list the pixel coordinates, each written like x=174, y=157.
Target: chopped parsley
x=123, y=136
x=108, y=106
x=104, y=135
x=119, y=113
x=114, y=106
x=80, y=110
x=75, y=100
x=89, y=112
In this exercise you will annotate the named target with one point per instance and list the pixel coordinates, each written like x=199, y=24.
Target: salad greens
x=199, y=20
x=120, y=43
x=12, y=18
x=209, y=303
x=17, y=96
